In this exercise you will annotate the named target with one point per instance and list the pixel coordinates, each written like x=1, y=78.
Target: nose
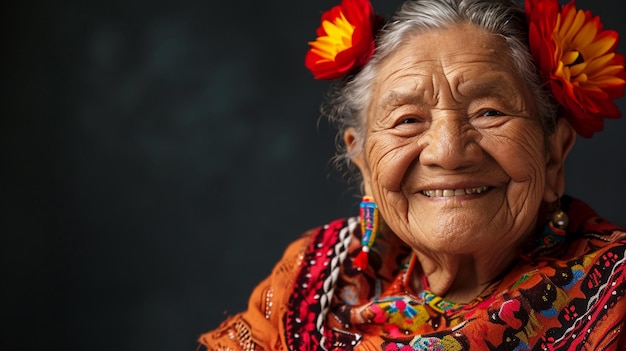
x=450, y=143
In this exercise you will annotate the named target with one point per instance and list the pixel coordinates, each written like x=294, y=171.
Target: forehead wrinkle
x=409, y=88
x=497, y=82
x=399, y=97
x=491, y=56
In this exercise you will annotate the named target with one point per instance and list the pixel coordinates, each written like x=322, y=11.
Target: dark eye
x=409, y=123
x=492, y=113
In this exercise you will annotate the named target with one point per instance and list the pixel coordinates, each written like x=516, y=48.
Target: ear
x=354, y=146
x=559, y=145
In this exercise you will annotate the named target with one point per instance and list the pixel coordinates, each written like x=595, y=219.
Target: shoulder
x=261, y=325
x=321, y=267
x=584, y=220
x=590, y=234
x=592, y=261
x=576, y=292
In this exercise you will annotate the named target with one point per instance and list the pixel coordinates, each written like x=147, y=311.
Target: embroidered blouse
x=570, y=297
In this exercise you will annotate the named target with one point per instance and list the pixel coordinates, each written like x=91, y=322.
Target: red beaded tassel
x=369, y=229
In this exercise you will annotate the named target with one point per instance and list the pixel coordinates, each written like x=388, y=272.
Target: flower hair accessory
x=345, y=40
x=577, y=58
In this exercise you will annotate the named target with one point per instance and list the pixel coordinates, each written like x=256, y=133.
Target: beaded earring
x=369, y=229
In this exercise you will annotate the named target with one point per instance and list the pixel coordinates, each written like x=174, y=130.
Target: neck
x=460, y=278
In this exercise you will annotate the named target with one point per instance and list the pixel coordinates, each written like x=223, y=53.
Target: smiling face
x=454, y=152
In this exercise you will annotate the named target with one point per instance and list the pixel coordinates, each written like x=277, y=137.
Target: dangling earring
x=553, y=233
x=559, y=220
x=369, y=229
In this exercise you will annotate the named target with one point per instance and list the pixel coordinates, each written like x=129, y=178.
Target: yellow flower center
x=338, y=38
x=583, y=57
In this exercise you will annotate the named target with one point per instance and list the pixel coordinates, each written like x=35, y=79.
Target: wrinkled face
x=454, y=153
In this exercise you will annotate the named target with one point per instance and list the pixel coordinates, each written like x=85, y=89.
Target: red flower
x=578, y=60
x=345, y=40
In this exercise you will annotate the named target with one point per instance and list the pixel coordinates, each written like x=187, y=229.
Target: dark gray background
x=157, y=157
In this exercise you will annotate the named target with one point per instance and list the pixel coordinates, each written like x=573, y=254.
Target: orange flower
x=345, y=40
x=577, y=57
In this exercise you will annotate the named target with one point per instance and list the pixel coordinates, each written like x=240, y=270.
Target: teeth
x=454, y=192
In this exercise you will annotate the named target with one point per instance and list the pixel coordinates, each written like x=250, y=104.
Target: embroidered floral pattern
x=571, y=299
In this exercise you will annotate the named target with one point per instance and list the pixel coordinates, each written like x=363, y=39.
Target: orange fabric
x=259, y=327
x=270, y=322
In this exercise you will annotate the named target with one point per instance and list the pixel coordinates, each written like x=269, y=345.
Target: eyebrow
x=398, y=98
x=497, y=85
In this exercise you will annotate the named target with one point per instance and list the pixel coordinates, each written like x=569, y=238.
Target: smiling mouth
x=454, y=192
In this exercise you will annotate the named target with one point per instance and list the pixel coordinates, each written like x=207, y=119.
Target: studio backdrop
x=158, y=156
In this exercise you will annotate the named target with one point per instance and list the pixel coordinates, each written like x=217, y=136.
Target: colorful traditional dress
x=567, y=297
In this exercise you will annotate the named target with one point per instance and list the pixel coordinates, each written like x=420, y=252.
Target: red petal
x=585, y=103
x=329, y=16
x=361, y=15
x=358, y=12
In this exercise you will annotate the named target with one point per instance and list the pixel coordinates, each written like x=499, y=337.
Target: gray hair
x=348, y=100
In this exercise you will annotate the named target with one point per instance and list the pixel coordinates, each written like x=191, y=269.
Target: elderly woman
x=458, y=115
